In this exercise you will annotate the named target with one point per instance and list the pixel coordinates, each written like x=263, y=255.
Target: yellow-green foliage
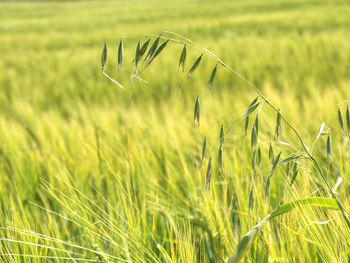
x=92, y=172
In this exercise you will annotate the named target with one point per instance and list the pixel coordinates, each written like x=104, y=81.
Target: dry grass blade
x=104, y=57
x=194, y=66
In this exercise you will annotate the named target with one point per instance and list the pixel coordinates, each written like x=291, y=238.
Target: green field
x=90, y=172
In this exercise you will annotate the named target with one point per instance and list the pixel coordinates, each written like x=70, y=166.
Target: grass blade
x=245, y=243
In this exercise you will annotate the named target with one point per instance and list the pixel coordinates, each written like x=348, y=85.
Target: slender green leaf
x=245, y=243
x=322, y=202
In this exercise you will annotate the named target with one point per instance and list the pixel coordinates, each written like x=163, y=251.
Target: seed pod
x=120, y=55
x=329, y=148
x=157, y=52
x=208, y=177
x=251, y=203
x=104, y=57
x=194, y=66
x=204, y=148
x=340, y=119
x=182, y=61
x=144, y=47
x=196, y=111
x=222, y=136
x=278, y=129
x=212, y=76
x=153, y=48
x=271, y=155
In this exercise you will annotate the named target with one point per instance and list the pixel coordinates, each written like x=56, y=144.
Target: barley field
x=236, y=149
